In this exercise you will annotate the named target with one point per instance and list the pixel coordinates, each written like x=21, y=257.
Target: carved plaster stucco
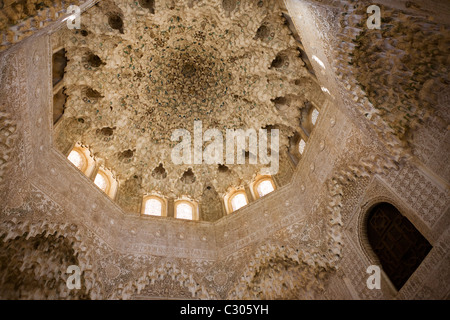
x=306, y=234
x=156, y=72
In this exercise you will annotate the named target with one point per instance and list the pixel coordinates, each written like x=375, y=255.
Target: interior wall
x=311, y=227
x=47, y=195
x=416, y=183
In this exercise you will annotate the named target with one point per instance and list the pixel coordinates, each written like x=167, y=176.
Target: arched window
x=185, y=209
x=106, y=182
x=399, y=246
x=265, y=187
x=314, y=116
x=237, y=201
x=101, y=181
x=262, y=185
x=301, y=146
x=153, y=207
x=78, y=159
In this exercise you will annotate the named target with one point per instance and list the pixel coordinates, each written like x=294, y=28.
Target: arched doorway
x=398, y=244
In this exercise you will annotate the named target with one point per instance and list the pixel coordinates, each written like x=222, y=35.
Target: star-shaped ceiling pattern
x=137, y=71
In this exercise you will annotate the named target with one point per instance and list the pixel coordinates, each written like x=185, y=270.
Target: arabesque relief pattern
x=304, y=235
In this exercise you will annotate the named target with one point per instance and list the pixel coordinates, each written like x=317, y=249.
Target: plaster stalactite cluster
x=15, y=229
x=351, y=25
x=231, y=70
x=360, y=166
x=416, y=51
x=33, y=268
x=183, y=284
x=365, y=165
x=211, y=206
x=418, y=46
x=394, y=111
x=345, y=34
x=392, y=127
x=280, y=272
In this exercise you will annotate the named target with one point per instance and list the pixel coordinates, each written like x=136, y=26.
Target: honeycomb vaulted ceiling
x=137, y=71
